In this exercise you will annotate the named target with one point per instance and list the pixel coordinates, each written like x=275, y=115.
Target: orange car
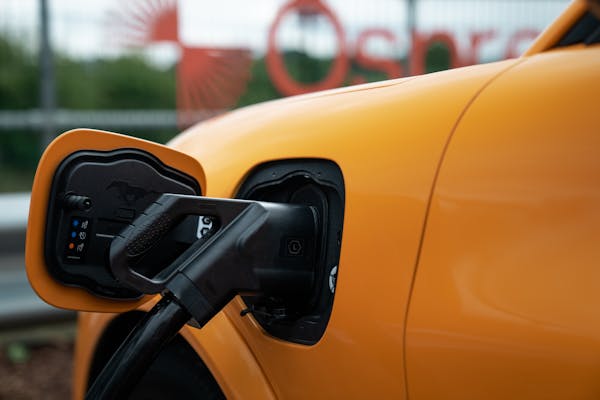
x=454, y=251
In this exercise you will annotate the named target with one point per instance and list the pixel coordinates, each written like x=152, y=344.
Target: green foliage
x=18, y=353
x=20, y=149
x=19, y=85
x=259, y=88
x=128, y=82
x=437, y=58
x=304, y=68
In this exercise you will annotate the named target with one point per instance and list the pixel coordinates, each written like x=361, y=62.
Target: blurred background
x=151, y=68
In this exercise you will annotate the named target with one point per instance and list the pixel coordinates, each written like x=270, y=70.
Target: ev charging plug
x=253, y=247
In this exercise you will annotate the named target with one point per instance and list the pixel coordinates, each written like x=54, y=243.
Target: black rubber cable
x=131, y=360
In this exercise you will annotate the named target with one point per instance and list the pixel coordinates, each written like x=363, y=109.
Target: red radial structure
x=208, y=78
x=211, y=78
x=141, y=22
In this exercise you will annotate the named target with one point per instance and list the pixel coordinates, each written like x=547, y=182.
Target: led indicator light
x=75, y=222
x=73, y=234
x=71, y=246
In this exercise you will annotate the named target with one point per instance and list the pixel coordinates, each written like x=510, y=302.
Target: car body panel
x=403, y=127
x=507, y=288
x=388, y=148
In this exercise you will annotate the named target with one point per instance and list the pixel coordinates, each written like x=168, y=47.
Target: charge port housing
x=96, y=194
x=319, y=184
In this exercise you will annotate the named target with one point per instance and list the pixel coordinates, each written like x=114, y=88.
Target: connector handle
x=153, y=224
x=256, y=247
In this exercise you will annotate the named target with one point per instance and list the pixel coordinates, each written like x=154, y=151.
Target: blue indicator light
x=73, y=234
x=75, y=222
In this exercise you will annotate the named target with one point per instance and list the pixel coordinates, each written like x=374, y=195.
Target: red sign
x=210, y=78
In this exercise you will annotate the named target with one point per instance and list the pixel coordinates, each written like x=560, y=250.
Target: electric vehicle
x=427, y=237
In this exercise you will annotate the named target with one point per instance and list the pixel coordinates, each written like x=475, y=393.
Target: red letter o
x=276, y=66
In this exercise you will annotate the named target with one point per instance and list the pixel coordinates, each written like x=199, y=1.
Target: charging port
x=319, y=184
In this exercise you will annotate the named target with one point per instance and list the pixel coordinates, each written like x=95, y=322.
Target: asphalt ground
x=37, y=363
x=36, y=340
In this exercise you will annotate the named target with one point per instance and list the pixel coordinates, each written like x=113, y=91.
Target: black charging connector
x=254, y=247
x=128, y=364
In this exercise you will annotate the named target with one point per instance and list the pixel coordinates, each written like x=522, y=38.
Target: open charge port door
x=301, y=317
x=94, y=196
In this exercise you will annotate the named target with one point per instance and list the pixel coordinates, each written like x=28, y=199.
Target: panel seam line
x=428, y=208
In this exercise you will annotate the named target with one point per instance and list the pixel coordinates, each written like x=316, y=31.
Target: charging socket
x=301, y=318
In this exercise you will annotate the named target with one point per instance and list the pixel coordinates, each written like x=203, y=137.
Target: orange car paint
x=506, y=297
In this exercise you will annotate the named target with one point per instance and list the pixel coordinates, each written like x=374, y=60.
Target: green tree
x=19, y=86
